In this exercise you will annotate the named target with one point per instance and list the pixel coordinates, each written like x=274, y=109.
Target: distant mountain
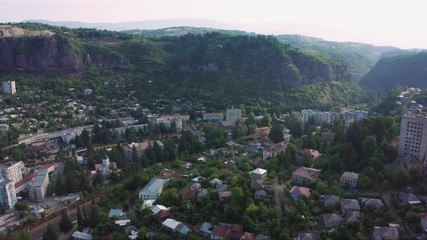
x=404, y=70
x=146, y=24
x=361, y=57
x=179, y=31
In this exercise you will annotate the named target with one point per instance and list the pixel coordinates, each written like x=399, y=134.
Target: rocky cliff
x=38, y=53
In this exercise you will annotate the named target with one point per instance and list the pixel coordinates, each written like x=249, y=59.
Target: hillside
x=361, y=57
x=215, y=67
x=405, y=70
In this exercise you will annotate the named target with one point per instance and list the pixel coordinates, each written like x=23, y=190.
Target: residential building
x=4, y=128
x=224, y=196
x=307, y=236
x=153, y=189
x=85, y=234
x=232, y=115
x=413, y=137
x=215, y=116
x=188, y=195
x=37, y=188
x=260, y=195
x=176, y=226
x=273, y=150
x=306, y=153
x=248, y=236
x=331, y=200
x=385, y=233
x=9, y=87
x=132, y=232
x=7, y=193
x=372, y=202
x=220, y=233
x=349, y=178
x=12, y=171
x=349, y=205
x=408, y=198
x=139, y=148
x=258, y=174
x=332, y=220
x=202, y=194
x=114, y=212
x=304, y=175
x=298, y=192
x=103, y=167
x=204, y=229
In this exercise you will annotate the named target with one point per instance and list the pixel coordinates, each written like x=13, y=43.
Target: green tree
x=52, y=232
x=22, y=236
x=65, y=225
x=276, y=133
x=80, y=219
x=60, y=187
x=369, y=146
x=99, y=179
x=294, y=124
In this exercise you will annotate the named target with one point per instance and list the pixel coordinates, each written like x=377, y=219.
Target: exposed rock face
x=39, y=53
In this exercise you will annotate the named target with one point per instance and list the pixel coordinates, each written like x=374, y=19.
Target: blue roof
x=115, y=213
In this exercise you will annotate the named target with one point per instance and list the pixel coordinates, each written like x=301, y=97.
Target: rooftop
x=303, y=191
x=155, y=186
x=40, y=177
x=350, y=175
x=310, y=173
x=259, y=171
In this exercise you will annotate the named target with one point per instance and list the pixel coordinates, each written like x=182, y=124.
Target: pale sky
x=397, y=23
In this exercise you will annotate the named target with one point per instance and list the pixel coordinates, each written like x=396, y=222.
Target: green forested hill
x=360, y=57
x=217, y=68
x=405, y=70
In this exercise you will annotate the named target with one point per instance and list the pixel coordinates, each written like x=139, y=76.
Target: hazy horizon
x=375, y=22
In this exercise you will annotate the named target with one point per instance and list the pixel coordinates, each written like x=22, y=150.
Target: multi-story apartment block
x=413, y=136
x=11, y=171
x=7, y=193
x=8, y=87
x=38, y=187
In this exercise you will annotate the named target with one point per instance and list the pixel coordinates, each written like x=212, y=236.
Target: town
x=197, y=174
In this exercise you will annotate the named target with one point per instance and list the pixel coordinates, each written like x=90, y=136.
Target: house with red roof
x=304, y=175
x=220, y=233
x=298, y=192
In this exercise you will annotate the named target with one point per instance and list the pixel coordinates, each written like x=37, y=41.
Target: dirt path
x=279, y=195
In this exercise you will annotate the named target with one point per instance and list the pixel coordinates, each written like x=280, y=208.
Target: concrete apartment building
x=37, y=189
x=7, y=193
x=413, y=136
x=11, y=171
x=8, y=87
x=139, y=147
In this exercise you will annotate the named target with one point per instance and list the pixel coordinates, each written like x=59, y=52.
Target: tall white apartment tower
x=413, y=137
x=9, y=87
x=11, y=171
x=7, y=193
